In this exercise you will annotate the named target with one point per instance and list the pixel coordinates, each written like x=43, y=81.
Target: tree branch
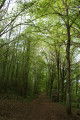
x=2, y=4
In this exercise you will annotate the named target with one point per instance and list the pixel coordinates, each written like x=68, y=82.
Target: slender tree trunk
x=58, y=78
x=62, y=82
x=51, y=82
x=35, y=83
x=68, y=101
x=57, y=61
x=77, y=84
x=13, y=67
x=23, y=75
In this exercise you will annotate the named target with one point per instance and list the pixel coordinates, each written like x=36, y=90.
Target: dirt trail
x=40, y=109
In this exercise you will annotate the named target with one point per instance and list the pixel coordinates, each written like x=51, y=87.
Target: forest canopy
x=40, y=49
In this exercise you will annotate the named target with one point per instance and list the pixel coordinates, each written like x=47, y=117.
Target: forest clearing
x=41, y=108
x=39, y=53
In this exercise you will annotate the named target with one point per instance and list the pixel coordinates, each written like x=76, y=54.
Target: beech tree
x=38, y=47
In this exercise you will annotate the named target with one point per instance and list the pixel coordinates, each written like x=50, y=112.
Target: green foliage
x=35, y=42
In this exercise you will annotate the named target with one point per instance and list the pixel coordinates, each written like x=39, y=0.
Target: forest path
x=39, y=109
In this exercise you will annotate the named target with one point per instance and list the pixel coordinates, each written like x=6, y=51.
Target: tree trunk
x=62, y=82
x=58, y=78
x=57, y=61
x=77, y=84
x=51, y=82
x=68, y=101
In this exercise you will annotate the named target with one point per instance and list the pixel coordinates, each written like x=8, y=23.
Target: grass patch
x=30, y=98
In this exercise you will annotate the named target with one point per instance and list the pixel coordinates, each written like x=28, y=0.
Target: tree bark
x=62, y=82
x=58, y=77
x=68, y=101
x=51, y=82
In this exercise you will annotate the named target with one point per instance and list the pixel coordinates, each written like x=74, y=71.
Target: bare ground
x=39, y=109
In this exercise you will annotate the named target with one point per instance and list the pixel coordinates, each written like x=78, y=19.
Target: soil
x=41, y=108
